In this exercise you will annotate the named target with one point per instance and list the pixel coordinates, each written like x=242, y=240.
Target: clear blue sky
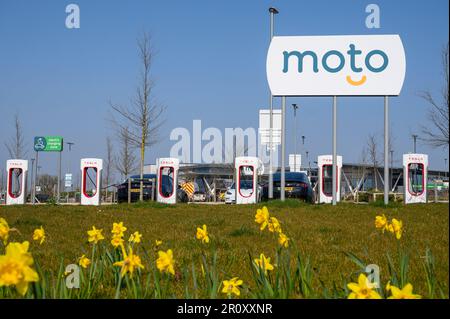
x=210, y=65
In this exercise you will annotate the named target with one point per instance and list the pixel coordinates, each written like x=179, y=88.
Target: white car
x=230, y=195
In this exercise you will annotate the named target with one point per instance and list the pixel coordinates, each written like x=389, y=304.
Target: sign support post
x=334, y=180
x=386, y=150
x=36, y=162
x=58, y=192
x=283, y=147
x=272, y=11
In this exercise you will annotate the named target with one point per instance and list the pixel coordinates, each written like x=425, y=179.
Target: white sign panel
x=352, y=65
x=264, y=126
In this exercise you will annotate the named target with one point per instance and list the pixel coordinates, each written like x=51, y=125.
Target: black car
x=166, y=187
x=297, y=185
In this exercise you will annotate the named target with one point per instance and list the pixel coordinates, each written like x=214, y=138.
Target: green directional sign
x=48, y=143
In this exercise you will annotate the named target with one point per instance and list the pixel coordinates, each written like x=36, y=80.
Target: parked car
x=297, y=185
x=246, y=187
x=166, y=187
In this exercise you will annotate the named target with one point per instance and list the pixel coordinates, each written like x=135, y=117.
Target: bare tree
x=436, y=134
x=143, y=115
x=125, y=162
x=108, y=163
x=372, y=151
x=16, y=144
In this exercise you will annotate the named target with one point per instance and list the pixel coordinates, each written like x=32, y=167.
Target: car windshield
x=292, y=177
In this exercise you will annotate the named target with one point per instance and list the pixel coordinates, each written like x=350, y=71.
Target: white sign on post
x=344, y=65
x=264, y=127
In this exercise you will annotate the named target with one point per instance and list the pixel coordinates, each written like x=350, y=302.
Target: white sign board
x=264, y=126
x=350, y=65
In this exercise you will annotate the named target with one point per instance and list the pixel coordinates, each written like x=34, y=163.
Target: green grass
x=322, y=233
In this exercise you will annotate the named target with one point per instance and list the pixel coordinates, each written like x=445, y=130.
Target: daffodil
x=118, y=229
x=274, y=225
x=165, y=262
x=396, y=227
x=283, y=240
x=158, y=242
x=202, y=234
x=405, y=293
x=117, y=241
x=381, y=222
x=135, y=237
x=39, y=235
x=262, y=217
x=4, y=230
x=95, y=235
x=15, y=267
x=363, y=289
x=129, y=263
x=232, y=286
x=263, y=263
x=84, y=262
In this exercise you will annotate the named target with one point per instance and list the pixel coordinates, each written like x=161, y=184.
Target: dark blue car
x=297, y=185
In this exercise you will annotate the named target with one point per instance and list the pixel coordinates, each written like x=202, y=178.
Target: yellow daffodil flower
x=263, y=263
x=4, y=230
x=129, y=263
x=405, y=293
x=165, y=261
x=202, y=234
x=396, y=227
x=274, y=225
x=39, y=235
x=283, y=240
x=15, y=267
x=84, y=262
x=363, y=289
x=232, y=286
x=158, y=242
x=117, y=241
x=262, y=217
x=381, y=222
x=95, y=235
x=118, y=229
x=135, y=237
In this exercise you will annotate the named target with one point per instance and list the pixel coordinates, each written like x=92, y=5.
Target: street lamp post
x=32, y=181
x=272, y=12
x=295, y=107
x=415, y=138
x=392, y=169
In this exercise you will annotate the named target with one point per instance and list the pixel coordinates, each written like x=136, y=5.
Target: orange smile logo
x=356, y=83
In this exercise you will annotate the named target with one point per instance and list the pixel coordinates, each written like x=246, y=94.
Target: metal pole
x=386, y=150
x=334, y=181
x=31, y=180
x=59, y=178
x=129, y=190
x=295, y=135
x=270, y=195
x=283, y=146
x=35, y=177
x=392, y=170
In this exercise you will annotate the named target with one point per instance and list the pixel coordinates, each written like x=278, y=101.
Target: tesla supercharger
x=16, y=181
x=325, y=179
x=167, y=180
x=246, y=179
x=415, y=167
x=91, y=181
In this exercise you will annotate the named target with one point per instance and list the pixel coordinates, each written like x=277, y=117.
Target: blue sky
x=210, y=65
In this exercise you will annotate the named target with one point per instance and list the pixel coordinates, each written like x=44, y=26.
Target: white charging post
x=16, y=181
x=167, y=180
x=325, y=178
x=246, y=179
x=91, y=195
x=415, y=174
